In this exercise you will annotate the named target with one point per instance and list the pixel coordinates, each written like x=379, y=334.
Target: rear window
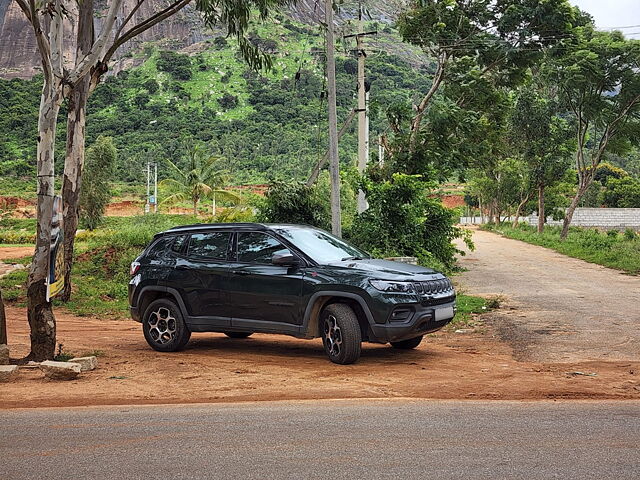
x=179, y=243
x=159, y=248
x=210, y=246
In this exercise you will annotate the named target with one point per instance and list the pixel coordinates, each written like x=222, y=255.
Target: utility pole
x=146, y=205
x=155, y=189
x=363, y=127
x=334, y=165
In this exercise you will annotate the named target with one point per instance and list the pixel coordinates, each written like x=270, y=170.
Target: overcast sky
x=614, y=13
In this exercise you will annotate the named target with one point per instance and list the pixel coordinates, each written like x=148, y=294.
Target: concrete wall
x=605, y=218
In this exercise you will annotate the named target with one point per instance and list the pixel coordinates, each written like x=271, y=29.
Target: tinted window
x=257, y=247
x=209, y=245
x=158, y=249
x=179, y=243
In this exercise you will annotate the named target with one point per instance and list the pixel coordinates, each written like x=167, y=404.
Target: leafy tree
x=293, y=202
x=228, y=101
x=151, y=85
x=596, y=74
x=95, y=192
x=542, y=137
x=621, y=193
x=176, y=64
x=203, y=178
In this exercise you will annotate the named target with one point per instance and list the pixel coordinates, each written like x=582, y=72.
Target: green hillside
x=267, y=125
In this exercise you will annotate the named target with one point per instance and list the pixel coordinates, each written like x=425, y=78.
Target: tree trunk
x=519, y=210
x=195, y=208
x=74, y=159
x=542, y=215
x=571, y=210
x=39, y=312
x=3, y=322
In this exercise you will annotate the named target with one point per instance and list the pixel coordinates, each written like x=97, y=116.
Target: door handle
x=239, y=272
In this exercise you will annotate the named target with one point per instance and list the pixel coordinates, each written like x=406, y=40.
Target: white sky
x=614, y=13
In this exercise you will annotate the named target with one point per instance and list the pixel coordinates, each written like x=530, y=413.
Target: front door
x=262, y=294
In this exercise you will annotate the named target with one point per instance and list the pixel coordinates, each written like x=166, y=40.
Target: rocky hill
x=19, y=57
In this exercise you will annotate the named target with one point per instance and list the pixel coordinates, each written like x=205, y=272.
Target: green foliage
x=228, y=101
x=621, y=193
x=616, y=251
x=403, y=221
x=95, y=191
x=203, y=177
x=176, y=64
x=293, y=202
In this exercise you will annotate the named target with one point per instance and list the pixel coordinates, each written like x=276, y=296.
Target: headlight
x=392, y=287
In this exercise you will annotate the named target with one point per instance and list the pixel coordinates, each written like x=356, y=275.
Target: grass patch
x=611, y=249
x=468, y=306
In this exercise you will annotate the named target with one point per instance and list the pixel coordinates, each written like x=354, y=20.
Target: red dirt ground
x=214, y=368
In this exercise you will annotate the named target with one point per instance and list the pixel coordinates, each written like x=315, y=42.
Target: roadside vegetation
x=614, y=249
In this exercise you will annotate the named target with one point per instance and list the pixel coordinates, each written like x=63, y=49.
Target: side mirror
x=285, y=258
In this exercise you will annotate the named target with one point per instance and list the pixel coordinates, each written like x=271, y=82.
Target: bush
x=228, y=101
x=403, y=221
x=176, y=64
x=293, y=202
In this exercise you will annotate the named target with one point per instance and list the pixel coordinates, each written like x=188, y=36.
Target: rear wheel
x=407, y=344
x=238, y=334
x=163, y=326
x=341, y=335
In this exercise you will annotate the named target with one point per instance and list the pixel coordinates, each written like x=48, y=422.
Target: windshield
x=321, y=246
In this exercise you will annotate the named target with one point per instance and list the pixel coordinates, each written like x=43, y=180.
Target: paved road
x=564, y=309
x=340, y=439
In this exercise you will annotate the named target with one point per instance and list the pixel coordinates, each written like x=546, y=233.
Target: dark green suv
x=241, y=278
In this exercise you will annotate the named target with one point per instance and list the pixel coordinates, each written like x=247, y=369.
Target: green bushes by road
x=619, y=250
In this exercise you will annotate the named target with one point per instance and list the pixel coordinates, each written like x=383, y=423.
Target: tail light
x=135, y=266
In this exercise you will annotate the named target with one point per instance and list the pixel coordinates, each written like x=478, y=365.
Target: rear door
x=261, y=293
x=202, y=274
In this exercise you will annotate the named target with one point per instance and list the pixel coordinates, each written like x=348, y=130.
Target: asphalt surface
x=339, y=439
x=555, y=308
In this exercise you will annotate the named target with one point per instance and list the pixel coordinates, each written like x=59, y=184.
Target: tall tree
x=542, y=138
x=597, y=76
x=484, y=37
x=96, y=189
x=46, y=19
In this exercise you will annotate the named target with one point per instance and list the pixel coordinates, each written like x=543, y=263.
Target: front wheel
x=163, y=326
x=407, y=344
x=341, y=335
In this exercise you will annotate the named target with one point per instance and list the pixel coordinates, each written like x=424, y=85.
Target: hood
x=388, y=270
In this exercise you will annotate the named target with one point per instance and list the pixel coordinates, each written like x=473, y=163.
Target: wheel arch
x=151, y=293
x=318, y=301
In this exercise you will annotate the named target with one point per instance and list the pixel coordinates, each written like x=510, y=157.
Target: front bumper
x=135, y=314
x=423, y=320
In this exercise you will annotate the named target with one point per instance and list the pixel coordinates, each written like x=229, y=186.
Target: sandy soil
x=556, y=308
x=214, y=368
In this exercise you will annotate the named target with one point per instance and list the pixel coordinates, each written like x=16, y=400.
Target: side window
x=179, y=243
x=212, y=246
x=257, y=247
x=158, y=249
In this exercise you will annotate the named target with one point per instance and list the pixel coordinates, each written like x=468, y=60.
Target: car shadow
x=277, y=346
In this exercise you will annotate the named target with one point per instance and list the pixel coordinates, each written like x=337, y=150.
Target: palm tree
x=203, y=178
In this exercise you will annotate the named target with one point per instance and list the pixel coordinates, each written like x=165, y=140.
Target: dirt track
x=556, y=308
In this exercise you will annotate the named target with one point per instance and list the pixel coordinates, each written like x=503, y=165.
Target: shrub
x=176, y=64
x=228, y=101
x=293, y=202
x=630, y=234
x=403, y=220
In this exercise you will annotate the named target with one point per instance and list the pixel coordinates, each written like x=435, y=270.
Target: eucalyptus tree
x=598, y=79
x=75, y=82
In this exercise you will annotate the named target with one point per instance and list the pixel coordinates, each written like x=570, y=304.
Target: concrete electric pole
x=334, y=162
x=363, y=114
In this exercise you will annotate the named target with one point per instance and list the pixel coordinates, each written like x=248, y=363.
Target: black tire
x=238, y=334
x=163, y=326
x=407, y=344
x=341, y=334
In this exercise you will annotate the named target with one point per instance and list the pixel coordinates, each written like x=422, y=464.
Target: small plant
x=61, y=355
x=612, y=233
x=493, y=303
x=630, y=234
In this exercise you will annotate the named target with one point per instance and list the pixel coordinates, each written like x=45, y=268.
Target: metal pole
x=334, y=162
x=146, y=206
x=155, y=189
x=363, y=153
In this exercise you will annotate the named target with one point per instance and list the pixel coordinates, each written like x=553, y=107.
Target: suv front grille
x=433, y=287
